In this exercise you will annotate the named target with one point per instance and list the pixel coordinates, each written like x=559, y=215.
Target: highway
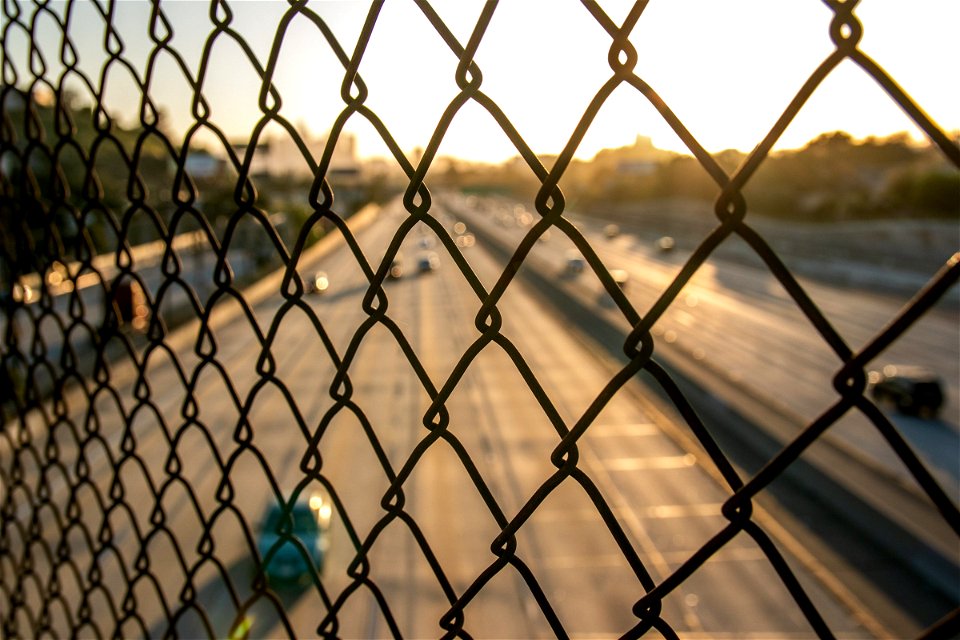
x=225, y=405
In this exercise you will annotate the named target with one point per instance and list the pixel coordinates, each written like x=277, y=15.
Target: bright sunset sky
x=727, y=69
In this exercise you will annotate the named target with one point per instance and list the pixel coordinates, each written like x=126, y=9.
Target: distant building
x=203, y=165
x=280, y=155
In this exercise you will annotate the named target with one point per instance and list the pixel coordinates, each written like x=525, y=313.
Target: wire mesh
x=88, y=544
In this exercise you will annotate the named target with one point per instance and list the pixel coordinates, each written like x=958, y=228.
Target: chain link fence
x=117, y=255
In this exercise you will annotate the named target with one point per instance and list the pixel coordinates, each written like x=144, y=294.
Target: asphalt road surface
x=225, y=405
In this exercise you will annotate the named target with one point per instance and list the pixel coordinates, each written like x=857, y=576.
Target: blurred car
x=575, y=264
x=620, y=276
x=305, y=521
x=611, y=231
x=466, y=240
x=666, y=244
x=319, y=283
x=130, y=301
x=428, y=262
x=396, y=268
x=913, y=390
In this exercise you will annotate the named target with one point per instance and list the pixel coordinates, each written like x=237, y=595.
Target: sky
x=727, y=69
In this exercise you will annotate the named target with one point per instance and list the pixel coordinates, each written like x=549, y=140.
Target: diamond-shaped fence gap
x=211, y=177
x=850, y=546
x=250, y=486
x=752, y=54
x=232, y=564
x=192, y=241
x=200, y=473
x=552, y=543
x=180, y=518
x=85, y=512
x=101, y=229
x=63, y=447
x=857, y=434
x=119, y=84
x=99, y=451
x=388, y=390
x=501, y=609
x=86, y=18
x=30, y=590
x=589, y=293
x=71, y=164
x=166, y=567
x=112, y=571
x=188, y=620
x=360, y=613
x=254, y=250
x=40, y=166
x=473, y=130
x=423, y=237
x=171, y=92
x=441, y=495
x=412, y=587
x=231, y=82
x=132, y=625
x=209, y=382
x=727, y=294
x=227, y=345
x=69, y=576
x=110, y=168
x=16, y=47
x=353, y=464
x=17, y=500
x=131, y=21
x=531, y=66
x=436, y=283
x=408, y=41
x=60, y=616
x=935, y=50
x=131, y=476
x=712, y=609
x=45, y=23
x=303, y=365
x=278, y=431
x=310, y=90
x=838, y=104
x=176, y=303
x=338, y=311
x=276, y=616
x=680, y=492
x=23, y=331
x=50, y=331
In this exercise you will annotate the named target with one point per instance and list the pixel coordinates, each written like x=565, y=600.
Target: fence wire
x=71, y=416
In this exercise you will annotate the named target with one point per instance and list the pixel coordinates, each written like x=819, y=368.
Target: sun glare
x=726, y=70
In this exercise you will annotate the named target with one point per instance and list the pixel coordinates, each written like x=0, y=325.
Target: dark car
x=575, y=264
x=428, y=262
x=913, y=390
x=306, y=521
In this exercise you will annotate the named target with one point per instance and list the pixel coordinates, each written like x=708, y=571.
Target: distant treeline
x=834, y=177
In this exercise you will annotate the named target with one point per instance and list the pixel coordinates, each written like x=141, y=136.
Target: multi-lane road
x=186, y=457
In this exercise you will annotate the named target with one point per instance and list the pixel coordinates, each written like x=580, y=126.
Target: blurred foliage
x=834, y=177
x=76, y=183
